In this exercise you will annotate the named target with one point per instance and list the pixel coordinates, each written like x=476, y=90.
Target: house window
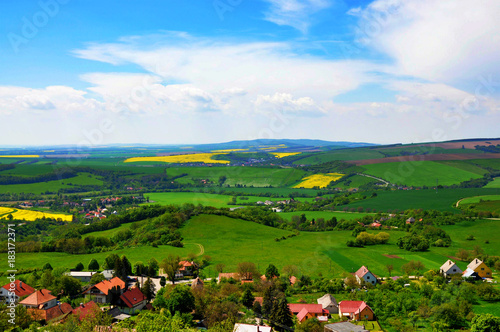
x=454, y=270
x=373, y=282
x=482, y=269
x=368, y=277
x=366, y=316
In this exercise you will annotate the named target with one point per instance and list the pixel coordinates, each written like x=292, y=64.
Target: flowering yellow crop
x=183, y=158
x=229, y=150
x=284, y=154
x=20, y=156
x=28, y=215
x=318, y=180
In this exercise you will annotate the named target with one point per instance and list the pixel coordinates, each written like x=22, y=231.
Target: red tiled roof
x=37, y=298
x=361, y=272
x=51, y=313
x=84, y=310
x=259, y=299
x=132, y=297
x=105, y=285
x=235, y=276
x=293, y=280
x=21, y=289
x=312, y=308
x=302, y=314
x=352, y=306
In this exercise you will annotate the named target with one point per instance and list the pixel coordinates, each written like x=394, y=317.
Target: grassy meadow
x=53, y=186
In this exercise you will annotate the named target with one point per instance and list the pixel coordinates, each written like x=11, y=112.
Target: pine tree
x=148, y=289
x=280, y=314
x=268, y=301
x=247, y=298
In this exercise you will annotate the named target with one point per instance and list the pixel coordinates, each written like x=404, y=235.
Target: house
x=85, y=310
x=410, y=220
x=235, y=276
x=471, y=275
x=187, y=268
x=363, y=274
x=478, y=266
x=329, y=303
x=197, y=284
x=132, y=301
x=100, y=292
x=12, y=292
x=449, y=268
x=355, y=310
x=250, y=328
x=40, y=299
x=58, y=312
x=345, y=327
x=81, y=275
x=307, y=311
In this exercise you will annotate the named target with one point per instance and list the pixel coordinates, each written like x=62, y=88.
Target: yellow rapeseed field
x=318, y=180
x=20, y=156
x=182, y=158
x=28, y=215
x=229, y=150
x=284, y=154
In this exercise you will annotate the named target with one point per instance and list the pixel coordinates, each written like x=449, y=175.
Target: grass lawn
x=443, y=200
x=54, y=186
x=423, y=173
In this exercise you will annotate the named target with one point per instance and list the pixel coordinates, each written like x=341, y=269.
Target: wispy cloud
x=294, y=13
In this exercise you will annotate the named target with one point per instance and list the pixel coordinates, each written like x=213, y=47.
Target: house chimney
x=20, y=284
x=81, y=305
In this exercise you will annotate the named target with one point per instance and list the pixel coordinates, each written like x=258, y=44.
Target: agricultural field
x=215, y=200
x=240, y=175
x=477, y=199
x=275, y=192
x=318, y=180
x=442, y=200
x=20, y=156
x=493, y=184
x=327, y=215
x=284, y=154
x=422, y=173
x=52, y=186
x=181, y=159
x=30, y=215
x=491, y=163
x=343, y=154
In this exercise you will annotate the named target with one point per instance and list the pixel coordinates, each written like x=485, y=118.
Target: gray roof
x=345, y=327
x=326, y=300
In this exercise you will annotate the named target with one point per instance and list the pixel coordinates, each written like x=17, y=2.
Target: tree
x=148, y=289
x=93, y=265
x=310, y=325
x=389, y=268
x=412, y=266
x=79, y=267
x=47, y=279
x=351, y=282
x=126, y=266
x=181, y=299
x=247, y=271
x=268, y=301
x=290, y=270
x=153, y=267
x=220, y=267
x=170, y=266
x=462, y=254
x=70, y=286
x=272, y=272
x=280, y=315
x=163, y=281
x=114, y=294
x=247, y=298
x=47, y=266
x=485, y=323
x=257, y=308
x=97, y=278
x=109, y=261
x=139, y=269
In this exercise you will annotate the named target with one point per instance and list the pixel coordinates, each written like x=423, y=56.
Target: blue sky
x=384, y=71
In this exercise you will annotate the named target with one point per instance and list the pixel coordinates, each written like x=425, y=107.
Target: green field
x=344, y=154
x=54, y=186
x=492, y=163
x=493, y=184
x=443, y=200
x=477, y=199
x=464, y=165
x=281, y=192
x=242, y=175
x=423, y=173
x=231, y=241
x=327, y=215
x=214, y=200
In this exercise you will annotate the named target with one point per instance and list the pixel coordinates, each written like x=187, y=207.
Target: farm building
x=449, y=268
x=81, y=275
x=329, y=303
x=363, y=274
x=355, y=310
x=308, y=311
x=42, y=305
x=482, y=270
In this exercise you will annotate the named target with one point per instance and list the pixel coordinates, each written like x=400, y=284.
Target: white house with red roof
x=186, y=268
x=355, y=310
x=100, y=292
x=40, y=299
x=364, y=275
x=15, y=290
x=305, y=311
x=132, y=301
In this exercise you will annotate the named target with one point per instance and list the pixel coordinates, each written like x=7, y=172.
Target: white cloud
x=294, y=13
x=447, y=41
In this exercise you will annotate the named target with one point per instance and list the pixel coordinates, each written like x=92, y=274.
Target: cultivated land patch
x=181, y=159
x=29, y=215
x=327, y=215
x=215, y=200
x=424, y=173
x=343, y=154
x=493, y=184
x=52, y=186
x=318, y=180
x=427, y=157
x=477, y=199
